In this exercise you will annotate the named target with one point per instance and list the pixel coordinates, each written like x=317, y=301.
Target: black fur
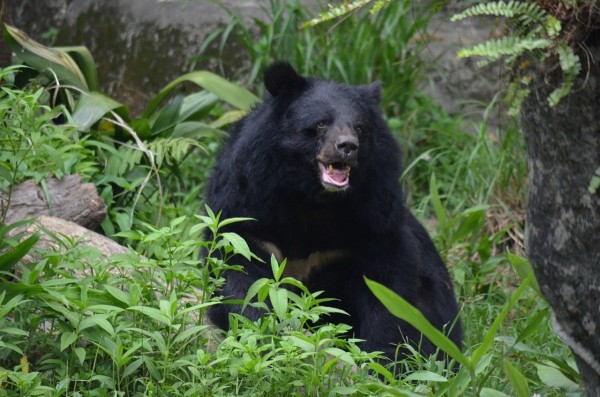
x=268, y=170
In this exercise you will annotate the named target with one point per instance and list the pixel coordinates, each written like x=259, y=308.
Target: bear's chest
x=300, y=267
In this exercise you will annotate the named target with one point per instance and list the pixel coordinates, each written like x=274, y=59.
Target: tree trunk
x=563, y=217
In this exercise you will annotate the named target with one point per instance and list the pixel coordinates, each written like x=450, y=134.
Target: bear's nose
x=346, y=145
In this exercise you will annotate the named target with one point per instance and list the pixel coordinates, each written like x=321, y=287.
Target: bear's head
x=330, y=131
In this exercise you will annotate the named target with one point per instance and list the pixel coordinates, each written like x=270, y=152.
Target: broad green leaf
x=10, y=258
x=67, y=339
x=518, y=381
x=277, y=268
x=301, y=342
x=487, y=392
x=238, y=243
x=118, y=294
x=553, y=377
x=13, y=331
x=254, y=290
x=229, y=221
x=234, y=95
x=195, y=308
x=279, y=301
x=44, y=58
x=197, y=106
x=341, y=354
x=97, y=320
x=5, y=308
x=131, y=368
x=196, y=129
x=400, y=308
x=381, y=370
x=84, y=59
x=80, y=352
x=92, y=107
x=167, y=117
x=426, y=376
x=152, y=313
x=190, y=333
x=11, y=346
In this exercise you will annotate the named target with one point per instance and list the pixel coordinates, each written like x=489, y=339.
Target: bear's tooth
x=330, y=170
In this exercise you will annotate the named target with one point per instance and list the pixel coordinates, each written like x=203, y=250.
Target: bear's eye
x=358, y=129
x=321, y=125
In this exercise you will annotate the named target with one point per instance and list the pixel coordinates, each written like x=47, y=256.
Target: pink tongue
x=337, y=177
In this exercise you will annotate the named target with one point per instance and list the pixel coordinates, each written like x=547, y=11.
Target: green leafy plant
x=133, y=159
x=76, y=322
x=476, y=362
x=33, y=145
x=534, y=33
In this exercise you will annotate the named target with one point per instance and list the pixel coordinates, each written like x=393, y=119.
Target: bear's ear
x=373, y=91
x=281, y=76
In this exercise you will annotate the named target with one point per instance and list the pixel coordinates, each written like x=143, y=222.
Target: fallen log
x=58, y=226
x=68, y=198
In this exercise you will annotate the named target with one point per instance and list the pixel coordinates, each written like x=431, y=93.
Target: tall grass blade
x=400, y=308
x=10, y=258
x=491, y=333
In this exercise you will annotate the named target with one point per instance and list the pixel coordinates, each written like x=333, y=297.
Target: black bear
x=316, y=165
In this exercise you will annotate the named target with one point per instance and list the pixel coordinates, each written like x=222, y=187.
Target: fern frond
x=504, y=46
x=516, y=93
x=534, y=32
x=524, y=14
x=571, y=66
x=501, y=8
x=379, y=4
x=171, y=150
x=552, y=26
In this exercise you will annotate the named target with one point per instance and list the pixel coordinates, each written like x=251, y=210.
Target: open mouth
x=335, y=176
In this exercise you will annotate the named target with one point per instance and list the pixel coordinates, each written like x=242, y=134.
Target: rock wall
x=141, y=45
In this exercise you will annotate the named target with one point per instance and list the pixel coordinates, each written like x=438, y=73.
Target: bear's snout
x=347, y=145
